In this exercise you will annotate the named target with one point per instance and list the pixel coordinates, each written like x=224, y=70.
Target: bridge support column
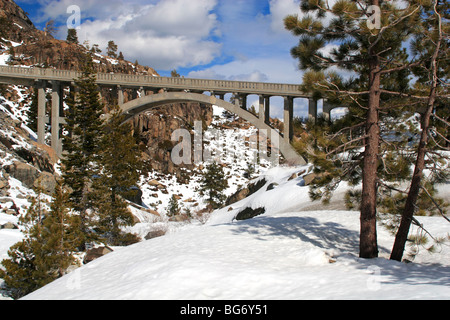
x=267, y=109
x=120, y=98
x=312, y=110
x=327, y=110
x=243, y=100
x=262, y=110
x=41, y=112
x=141, y=92
x=240, y=100
x=56, y=113
x=288, y=118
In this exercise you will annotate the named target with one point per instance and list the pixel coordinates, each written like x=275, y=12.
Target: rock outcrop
x=155, y=128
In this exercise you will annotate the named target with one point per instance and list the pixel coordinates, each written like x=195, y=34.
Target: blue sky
x=216, y=39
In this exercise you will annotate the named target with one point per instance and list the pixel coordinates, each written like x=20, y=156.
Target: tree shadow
x=331, y=235
x=328, y=235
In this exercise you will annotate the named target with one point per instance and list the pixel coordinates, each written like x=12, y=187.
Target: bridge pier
x=327, y=110
x=312, y=110
x=243, y=101
x=264, y=109
x=120, y=98
x=57, y=112
x=288, y=119
x=41, y=120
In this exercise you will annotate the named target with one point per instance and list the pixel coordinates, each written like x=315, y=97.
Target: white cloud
x=275, y=69
x=163, y=34
x=279, y=9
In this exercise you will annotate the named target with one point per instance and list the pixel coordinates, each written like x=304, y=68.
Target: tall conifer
x=119, y=159
x=213, y=183
x=82, y=145
x=47, y=249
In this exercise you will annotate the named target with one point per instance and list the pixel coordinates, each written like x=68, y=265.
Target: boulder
x=9, y=225
x=155, y=234
x=96, y=253
x=249, y=213
x=3, y=184
x=47, y=182
x=23, y=172
x=272, y=186
x=246, y=192
x=134, y=195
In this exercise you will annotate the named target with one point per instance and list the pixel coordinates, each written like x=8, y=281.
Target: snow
x=284, y=254
x=4, y=59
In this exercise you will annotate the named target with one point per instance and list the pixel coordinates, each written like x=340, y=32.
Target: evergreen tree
x=432, y=44
x=95, y=49
x=121, y=165
x=46, y=251
x=82, y=147
x=376, y=56
x=174, y=74
x=213, y=184
x=32, y=112
x=173, y=209
x=72, y=36
x=111, y=49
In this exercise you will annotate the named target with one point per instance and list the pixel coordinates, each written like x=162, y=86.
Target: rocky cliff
x=155, y=127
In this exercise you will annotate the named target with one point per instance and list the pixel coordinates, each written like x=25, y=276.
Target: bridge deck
x=125, y=80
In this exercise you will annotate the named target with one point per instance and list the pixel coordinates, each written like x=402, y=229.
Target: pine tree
x=32, y=113
x=72, y=36
x=433, y=46
x=213, y=184
x=121, y=165
x=376, y=56
x=82, y=147
x=173, y=208
x=46, y=251
x=111, y=49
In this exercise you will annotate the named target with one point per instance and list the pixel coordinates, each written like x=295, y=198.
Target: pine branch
x=346, y=144
x=347, y=128
x=405, y=95
x=441, y=119
x=435, y=203
x=404, y=67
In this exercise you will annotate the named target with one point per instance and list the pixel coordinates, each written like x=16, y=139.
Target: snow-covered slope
x=284, y=254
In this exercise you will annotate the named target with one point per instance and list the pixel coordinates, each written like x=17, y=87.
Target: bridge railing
x=226, y=86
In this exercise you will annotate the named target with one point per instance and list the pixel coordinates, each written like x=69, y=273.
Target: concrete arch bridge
x=166, y=90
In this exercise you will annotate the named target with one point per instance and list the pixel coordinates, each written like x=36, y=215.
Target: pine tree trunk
x=408, y=213
x=368, y=236
x=416, y=183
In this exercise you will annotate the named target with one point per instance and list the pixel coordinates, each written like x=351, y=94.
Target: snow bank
x=286, y=256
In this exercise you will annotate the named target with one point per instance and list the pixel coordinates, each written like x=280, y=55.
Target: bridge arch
x=137, y=106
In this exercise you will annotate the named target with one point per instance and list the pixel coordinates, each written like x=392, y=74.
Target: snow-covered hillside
x=286, y=253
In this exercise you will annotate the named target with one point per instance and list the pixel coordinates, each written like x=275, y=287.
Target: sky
x=211, y=39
